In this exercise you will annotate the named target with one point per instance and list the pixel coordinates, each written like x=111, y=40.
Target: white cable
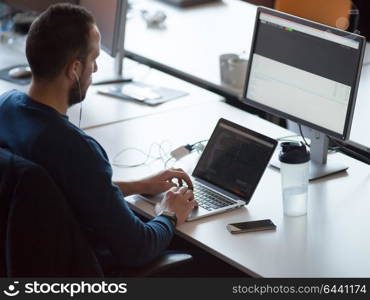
x=167, y=161
x=166, y=156
x=148, y=155
x=79, y=121
x=79, y=90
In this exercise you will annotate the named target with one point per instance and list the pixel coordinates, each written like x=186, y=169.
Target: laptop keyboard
x=208, y=199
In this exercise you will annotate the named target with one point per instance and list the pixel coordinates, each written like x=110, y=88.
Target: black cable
x=300, y=130
x=202, y=141
x=356, y=18
x=333, y=149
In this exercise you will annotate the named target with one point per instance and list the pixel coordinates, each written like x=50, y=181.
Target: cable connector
x=182, y=151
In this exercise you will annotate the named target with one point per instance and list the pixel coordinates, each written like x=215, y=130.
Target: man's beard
x=76, y=95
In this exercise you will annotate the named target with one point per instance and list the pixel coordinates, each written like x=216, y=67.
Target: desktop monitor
x=110, y=16
x=308, y=73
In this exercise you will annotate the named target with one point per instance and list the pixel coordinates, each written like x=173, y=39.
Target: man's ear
x=74, y=68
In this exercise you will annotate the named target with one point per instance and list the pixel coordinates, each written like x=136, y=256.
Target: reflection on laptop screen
x=235, y=159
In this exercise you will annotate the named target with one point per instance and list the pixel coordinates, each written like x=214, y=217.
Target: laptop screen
x=235, y=159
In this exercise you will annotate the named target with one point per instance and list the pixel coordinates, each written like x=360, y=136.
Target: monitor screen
x=304, y=71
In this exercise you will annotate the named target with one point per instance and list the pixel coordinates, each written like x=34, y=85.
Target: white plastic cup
x=233, y=69
x=294, y=168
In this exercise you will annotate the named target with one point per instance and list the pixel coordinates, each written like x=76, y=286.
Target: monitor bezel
x=354, y=87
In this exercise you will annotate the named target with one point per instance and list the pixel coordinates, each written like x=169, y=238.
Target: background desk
x=195, y=37
x=331, y=241
x=97, y=109
x=101, y=110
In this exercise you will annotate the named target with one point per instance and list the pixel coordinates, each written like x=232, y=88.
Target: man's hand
x=163, y=181
x=156, y=184
x=178, y=200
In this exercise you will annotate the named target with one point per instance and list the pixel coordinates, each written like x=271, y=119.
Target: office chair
x=330, y=12
x=39, y=236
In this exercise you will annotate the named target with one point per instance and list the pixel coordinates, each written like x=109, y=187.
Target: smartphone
x=251, y=226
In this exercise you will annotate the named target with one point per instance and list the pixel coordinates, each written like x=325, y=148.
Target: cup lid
x=294, y=153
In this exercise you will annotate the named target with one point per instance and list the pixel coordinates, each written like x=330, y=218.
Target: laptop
x=229, y=169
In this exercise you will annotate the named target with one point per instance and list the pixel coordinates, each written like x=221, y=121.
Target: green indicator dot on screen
x=290, y=29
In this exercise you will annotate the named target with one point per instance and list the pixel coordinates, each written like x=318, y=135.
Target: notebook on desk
x=229, y=169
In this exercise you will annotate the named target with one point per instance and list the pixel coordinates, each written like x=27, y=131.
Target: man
x=62, y=46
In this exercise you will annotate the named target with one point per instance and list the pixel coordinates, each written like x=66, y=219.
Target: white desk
x=101, y=110
x=331, y=241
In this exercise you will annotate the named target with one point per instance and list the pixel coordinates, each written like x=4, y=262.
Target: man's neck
x=50, y=94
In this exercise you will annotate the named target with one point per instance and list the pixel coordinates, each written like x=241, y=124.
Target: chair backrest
x=334, y=13
x=39, y=236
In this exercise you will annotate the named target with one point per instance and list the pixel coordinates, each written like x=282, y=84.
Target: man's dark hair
x=58, y=35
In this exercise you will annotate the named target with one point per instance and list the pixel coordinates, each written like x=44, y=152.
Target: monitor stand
x=118, y=70
x=128, y=89
x=319, y=167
